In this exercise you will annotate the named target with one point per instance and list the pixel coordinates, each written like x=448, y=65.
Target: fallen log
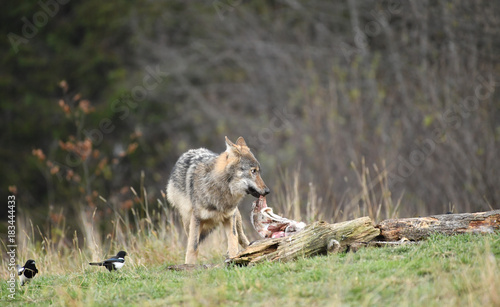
x=419, y=228
x=322, y=238
x=317, y=238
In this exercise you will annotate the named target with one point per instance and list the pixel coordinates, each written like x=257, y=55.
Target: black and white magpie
x=26, y=272
x=113, y=263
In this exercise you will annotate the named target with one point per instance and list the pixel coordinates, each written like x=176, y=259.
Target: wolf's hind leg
x=193, y=240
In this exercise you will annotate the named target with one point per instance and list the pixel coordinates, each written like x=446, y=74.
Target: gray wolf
x=206, y=189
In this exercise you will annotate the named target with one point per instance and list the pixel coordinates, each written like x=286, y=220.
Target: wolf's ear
x=229, y=144
x=231, y=147
x=241, y=142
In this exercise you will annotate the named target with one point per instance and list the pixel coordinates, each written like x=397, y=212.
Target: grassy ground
x=462, y=270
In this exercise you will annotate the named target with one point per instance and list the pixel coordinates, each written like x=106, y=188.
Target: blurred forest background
x=355, y=107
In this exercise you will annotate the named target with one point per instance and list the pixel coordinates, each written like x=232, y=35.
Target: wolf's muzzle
x=256, y=193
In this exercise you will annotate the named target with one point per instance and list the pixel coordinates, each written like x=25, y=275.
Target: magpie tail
x=97, y=263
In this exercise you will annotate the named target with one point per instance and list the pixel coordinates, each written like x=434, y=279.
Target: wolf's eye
x=253, y=170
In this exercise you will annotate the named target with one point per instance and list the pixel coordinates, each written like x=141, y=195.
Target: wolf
x=206, y=189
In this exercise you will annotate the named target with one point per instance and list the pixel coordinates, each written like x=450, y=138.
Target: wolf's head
x=241, y=169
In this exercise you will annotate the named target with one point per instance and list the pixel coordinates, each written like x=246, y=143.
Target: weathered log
x=419, y=228
x=317, y=238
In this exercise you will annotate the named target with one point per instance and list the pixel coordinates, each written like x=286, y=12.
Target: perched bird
x=26, y=272
x=270, y=225
x=113, y=263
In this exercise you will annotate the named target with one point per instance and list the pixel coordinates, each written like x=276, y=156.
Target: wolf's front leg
x=242, y=238
x=232, y=235
x=193, y=240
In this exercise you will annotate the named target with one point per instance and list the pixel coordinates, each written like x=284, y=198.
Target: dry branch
x=193, y=267
x=317, y=238
x=419, y=228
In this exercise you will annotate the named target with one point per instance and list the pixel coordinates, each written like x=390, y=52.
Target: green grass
x=462, y=270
